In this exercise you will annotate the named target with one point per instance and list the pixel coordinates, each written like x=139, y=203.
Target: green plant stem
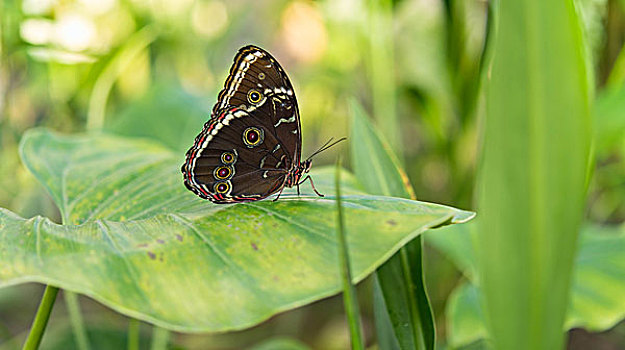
x=41, y=318
x=78, y=325
x=349, y=292
x=133, y=334
x=160, y=338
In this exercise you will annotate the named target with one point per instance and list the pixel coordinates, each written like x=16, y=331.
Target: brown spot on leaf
x=160, y=258
x=142, y=245
x=160, y=241
x=254, y=246
x=179, y=237
x=276, y=278
x=152, y=255
x=392, y=222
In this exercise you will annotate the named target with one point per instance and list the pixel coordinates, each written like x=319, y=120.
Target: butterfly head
x=304, y=166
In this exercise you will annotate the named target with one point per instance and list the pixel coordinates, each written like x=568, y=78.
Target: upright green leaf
x=139, y=242
x=531, y=184
x=383, y=325
x=381, y=68
x=403, y=298
x=465, y=317
x=375, y=165
x=596, y=301
x=609, y=118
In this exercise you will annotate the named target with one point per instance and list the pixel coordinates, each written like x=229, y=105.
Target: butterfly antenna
x=326, y=145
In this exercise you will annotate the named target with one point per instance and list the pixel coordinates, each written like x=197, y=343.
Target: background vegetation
x=153, y=69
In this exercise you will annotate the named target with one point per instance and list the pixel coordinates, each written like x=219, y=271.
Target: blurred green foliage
x=64, y=64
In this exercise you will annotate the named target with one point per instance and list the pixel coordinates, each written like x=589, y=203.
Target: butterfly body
x=251, y=146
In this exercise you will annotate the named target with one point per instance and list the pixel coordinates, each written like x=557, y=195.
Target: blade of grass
x=349, y=292
x=41, y=318
x=400, y=279
x=531, y=183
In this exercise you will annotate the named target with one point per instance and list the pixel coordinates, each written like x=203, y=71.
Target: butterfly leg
x=312, y=184
x=279, y=193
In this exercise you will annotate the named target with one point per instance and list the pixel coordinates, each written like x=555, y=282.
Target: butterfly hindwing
x=241, y=156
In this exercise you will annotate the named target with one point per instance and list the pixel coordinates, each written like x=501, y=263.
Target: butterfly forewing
x=255, y=70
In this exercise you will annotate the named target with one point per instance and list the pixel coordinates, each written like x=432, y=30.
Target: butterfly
x=251, y=146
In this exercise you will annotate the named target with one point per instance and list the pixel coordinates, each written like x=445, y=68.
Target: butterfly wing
x=255, y=71
x=252, y=141
x=235, y=159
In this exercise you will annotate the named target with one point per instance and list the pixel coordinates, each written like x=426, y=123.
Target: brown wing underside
x=257, y=171
x=257, y=95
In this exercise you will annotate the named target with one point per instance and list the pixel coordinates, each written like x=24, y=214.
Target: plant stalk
x=133, y=334
x=78, y=325
x=349, y=292
x=41, y=318
x=160, y=338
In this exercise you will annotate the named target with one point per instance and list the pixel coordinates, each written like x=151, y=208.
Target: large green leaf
x=138, y=241
x=596, y=302
x=399, y=291
x=532, y=177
